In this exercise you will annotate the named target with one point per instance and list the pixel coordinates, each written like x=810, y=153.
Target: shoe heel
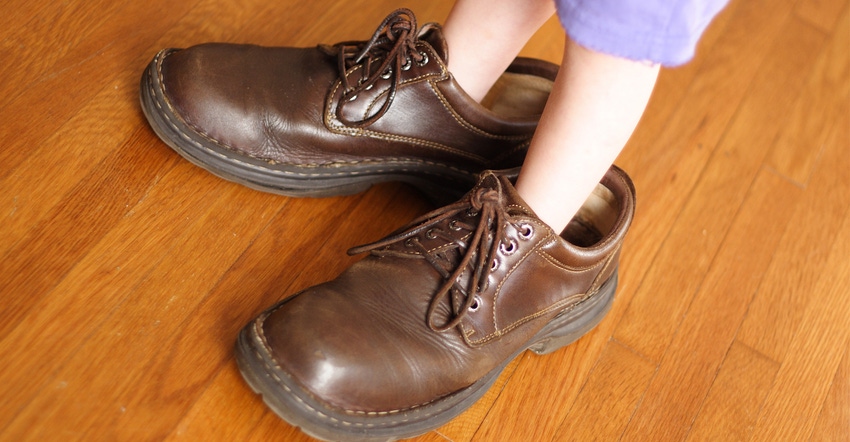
x=568, y=328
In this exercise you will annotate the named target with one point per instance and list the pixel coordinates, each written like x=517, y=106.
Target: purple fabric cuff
x=658, y=31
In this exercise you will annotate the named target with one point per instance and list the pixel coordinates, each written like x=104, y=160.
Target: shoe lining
x=594, y=220
x=518, y=95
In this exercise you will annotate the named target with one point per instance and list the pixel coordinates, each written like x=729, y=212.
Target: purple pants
x=657, y=31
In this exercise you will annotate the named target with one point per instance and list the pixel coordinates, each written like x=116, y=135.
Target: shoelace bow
x=390, y=51
x=480, y=250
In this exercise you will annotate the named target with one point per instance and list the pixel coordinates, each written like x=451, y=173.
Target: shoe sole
x=439, y=181
x=299, y=408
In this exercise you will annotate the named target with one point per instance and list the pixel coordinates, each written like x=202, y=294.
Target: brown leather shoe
x=335, y=119
x=415, y=333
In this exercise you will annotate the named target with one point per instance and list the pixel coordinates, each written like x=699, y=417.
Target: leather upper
x=298, y=106
x=438, y=304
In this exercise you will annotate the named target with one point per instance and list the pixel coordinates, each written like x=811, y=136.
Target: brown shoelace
x=390, y=51
x=480, y=247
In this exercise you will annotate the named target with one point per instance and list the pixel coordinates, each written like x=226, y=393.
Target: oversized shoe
x=412, y=335
x=336, y=119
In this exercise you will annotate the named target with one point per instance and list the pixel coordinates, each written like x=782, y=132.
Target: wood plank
x=609, y=398
x=203, y=422
x=834, y=421
x=108, y=59
x=63, y=216
x=465, y=426
x=648, y=325
x=48, y=250
x=201, y=347
x=775, y=315
x=705, y=335
x=61, y=322
x=805, y=377
x=26, y=190
x=47, y=35
x=731, y=408
x=133, y=327
x=378, y=212
x=821, y=106
x=821, y=13
x=25, y=184
x=537, y=384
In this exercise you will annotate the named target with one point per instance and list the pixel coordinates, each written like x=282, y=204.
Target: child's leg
x=484, y=36
x=593, y=109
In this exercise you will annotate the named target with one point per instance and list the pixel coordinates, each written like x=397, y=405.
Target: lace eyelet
x=471, y=213
x=408, y=63
x=386, y=75
x=509, y=248
x=526, y=231
x=352, y=98
x=430, y=234
x=424, y=60
x=454, y=226
x=409, y=242
x=476, y=304
x=494, y=265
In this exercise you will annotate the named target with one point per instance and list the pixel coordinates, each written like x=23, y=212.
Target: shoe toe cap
x=362, y=360
x=242, y=97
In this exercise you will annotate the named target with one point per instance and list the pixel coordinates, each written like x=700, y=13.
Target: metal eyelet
x=409, y=242
x=471, y=213
x=430, y=234
x=509, y=248
x=352, y=98
x=526, y=231
x=386, y=75
x=424, y=60
x=476, y=304
x=408, y=63
x=494, y=265
x=454, y=226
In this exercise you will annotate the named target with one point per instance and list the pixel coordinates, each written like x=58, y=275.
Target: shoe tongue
x=432, y=33
x=511, y=200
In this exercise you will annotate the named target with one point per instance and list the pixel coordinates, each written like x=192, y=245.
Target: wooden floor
x=126, y=272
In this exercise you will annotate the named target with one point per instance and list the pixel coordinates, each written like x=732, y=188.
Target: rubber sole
x=299, y=408
x=440, y=182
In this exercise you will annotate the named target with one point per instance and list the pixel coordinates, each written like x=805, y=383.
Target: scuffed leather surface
x=279, y=104
x=361, y=342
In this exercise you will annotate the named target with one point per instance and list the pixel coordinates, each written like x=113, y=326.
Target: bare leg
x=594, y=107
x=485, y=36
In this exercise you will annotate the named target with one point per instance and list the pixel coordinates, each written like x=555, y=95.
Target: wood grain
x=127, y=272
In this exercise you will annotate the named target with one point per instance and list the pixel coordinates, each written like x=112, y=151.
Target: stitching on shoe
x=330, y=123
x=170, y=110
x=537, y=250
x=498, y=290
x=528, y=318
x=518, y=148
x=554, y=261
x=339, y=128
x=460, y=120
x=465, y=123
x=270, y=370
x=598, y=282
